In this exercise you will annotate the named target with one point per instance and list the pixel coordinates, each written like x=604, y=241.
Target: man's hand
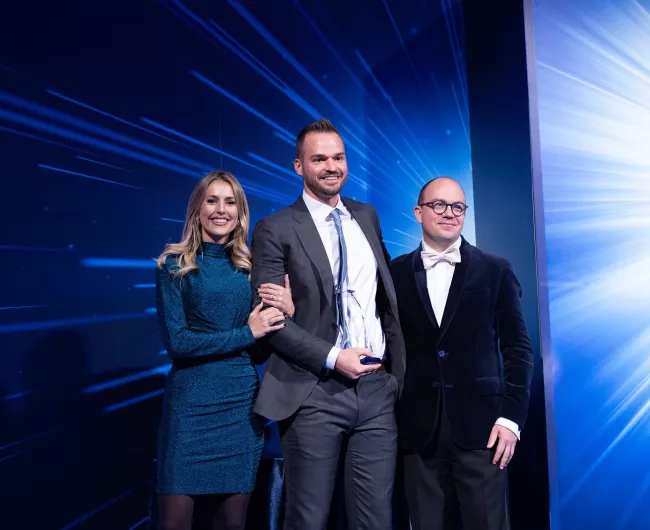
x=348, y=363
x=506, y=447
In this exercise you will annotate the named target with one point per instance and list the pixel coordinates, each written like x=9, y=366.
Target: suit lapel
x=313, y=245
x=421, y=284
x=368, y=229
x=457, y=286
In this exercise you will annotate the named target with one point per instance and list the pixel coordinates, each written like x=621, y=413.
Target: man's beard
x=326, y=190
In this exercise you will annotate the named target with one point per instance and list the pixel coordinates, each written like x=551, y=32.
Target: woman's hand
x=264, y=322
x=277, y=296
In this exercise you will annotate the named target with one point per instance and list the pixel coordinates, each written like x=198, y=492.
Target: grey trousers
x=353, y=421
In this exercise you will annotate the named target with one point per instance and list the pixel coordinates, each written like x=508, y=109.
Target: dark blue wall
x=109, y=112
x=503, y=150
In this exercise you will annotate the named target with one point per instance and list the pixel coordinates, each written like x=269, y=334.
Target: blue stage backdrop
x=593, y=78
x=109, y=113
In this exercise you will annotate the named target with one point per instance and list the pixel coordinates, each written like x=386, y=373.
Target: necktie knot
x=431, y=258
x=336, y=217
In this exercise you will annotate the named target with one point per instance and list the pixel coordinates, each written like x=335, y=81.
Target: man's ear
x=417, y=211
x=297, y=165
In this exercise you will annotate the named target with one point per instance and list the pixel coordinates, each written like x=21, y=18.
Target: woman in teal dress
x=210, y=439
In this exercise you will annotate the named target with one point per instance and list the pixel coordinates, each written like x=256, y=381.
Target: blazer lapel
x=313, y=245
x=421, y=284
x=364, y=222
x=457, y=286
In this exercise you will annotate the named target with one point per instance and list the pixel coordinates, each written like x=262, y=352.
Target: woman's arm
x=180, y=341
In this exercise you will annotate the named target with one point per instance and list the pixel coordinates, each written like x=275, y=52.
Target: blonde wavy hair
x=190, y=245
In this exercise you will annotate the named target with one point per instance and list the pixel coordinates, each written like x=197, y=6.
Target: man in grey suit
x=337, y=367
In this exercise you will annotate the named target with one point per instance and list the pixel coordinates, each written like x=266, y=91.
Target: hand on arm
x=278, y=296
x=270, y=266
x=264, y=322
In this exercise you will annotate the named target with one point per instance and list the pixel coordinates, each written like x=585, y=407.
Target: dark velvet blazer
x=478, y=363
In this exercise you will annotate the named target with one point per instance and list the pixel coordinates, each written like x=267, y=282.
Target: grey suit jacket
x=288, y=242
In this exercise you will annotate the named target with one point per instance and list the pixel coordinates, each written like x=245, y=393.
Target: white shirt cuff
x=330, y=362
x=510, y=425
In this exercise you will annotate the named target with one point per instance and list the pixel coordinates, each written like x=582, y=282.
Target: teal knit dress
x=210, y=440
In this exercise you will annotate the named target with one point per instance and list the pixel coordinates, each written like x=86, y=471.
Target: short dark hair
x=424, y=188
x=321, y=126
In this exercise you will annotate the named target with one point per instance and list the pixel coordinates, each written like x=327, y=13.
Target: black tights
x=209, y=512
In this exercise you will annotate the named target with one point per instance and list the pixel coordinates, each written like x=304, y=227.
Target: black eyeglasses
x=440, y=207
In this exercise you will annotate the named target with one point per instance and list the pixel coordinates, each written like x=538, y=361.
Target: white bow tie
x=429, y=259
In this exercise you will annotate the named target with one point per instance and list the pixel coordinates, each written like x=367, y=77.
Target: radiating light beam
x=397, y=244
x=27, y=439
x=103, y=506
x=118, y=263
x=21, y=248
x=401, y=41
x=593, y=81
x=21, y=327
x=139, y=523
x=90, y=177
x=120, y=381
x=133, y=401
x=108, y=115
x=102, y=163
x=16, y=307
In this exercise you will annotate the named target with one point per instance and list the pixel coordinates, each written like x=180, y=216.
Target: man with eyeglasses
x=468, y=373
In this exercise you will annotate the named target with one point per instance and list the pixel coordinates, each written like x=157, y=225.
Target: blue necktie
x=343, y=280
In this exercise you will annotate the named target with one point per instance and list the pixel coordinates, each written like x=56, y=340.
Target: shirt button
x=434, y=384
x=334, y=327
x=442, y=354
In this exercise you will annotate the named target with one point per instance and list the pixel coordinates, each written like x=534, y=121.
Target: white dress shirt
x=438, y=283
x=364, y=325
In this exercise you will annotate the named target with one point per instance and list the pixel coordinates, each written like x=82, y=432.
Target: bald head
x=439, y=182
x=441, y=212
